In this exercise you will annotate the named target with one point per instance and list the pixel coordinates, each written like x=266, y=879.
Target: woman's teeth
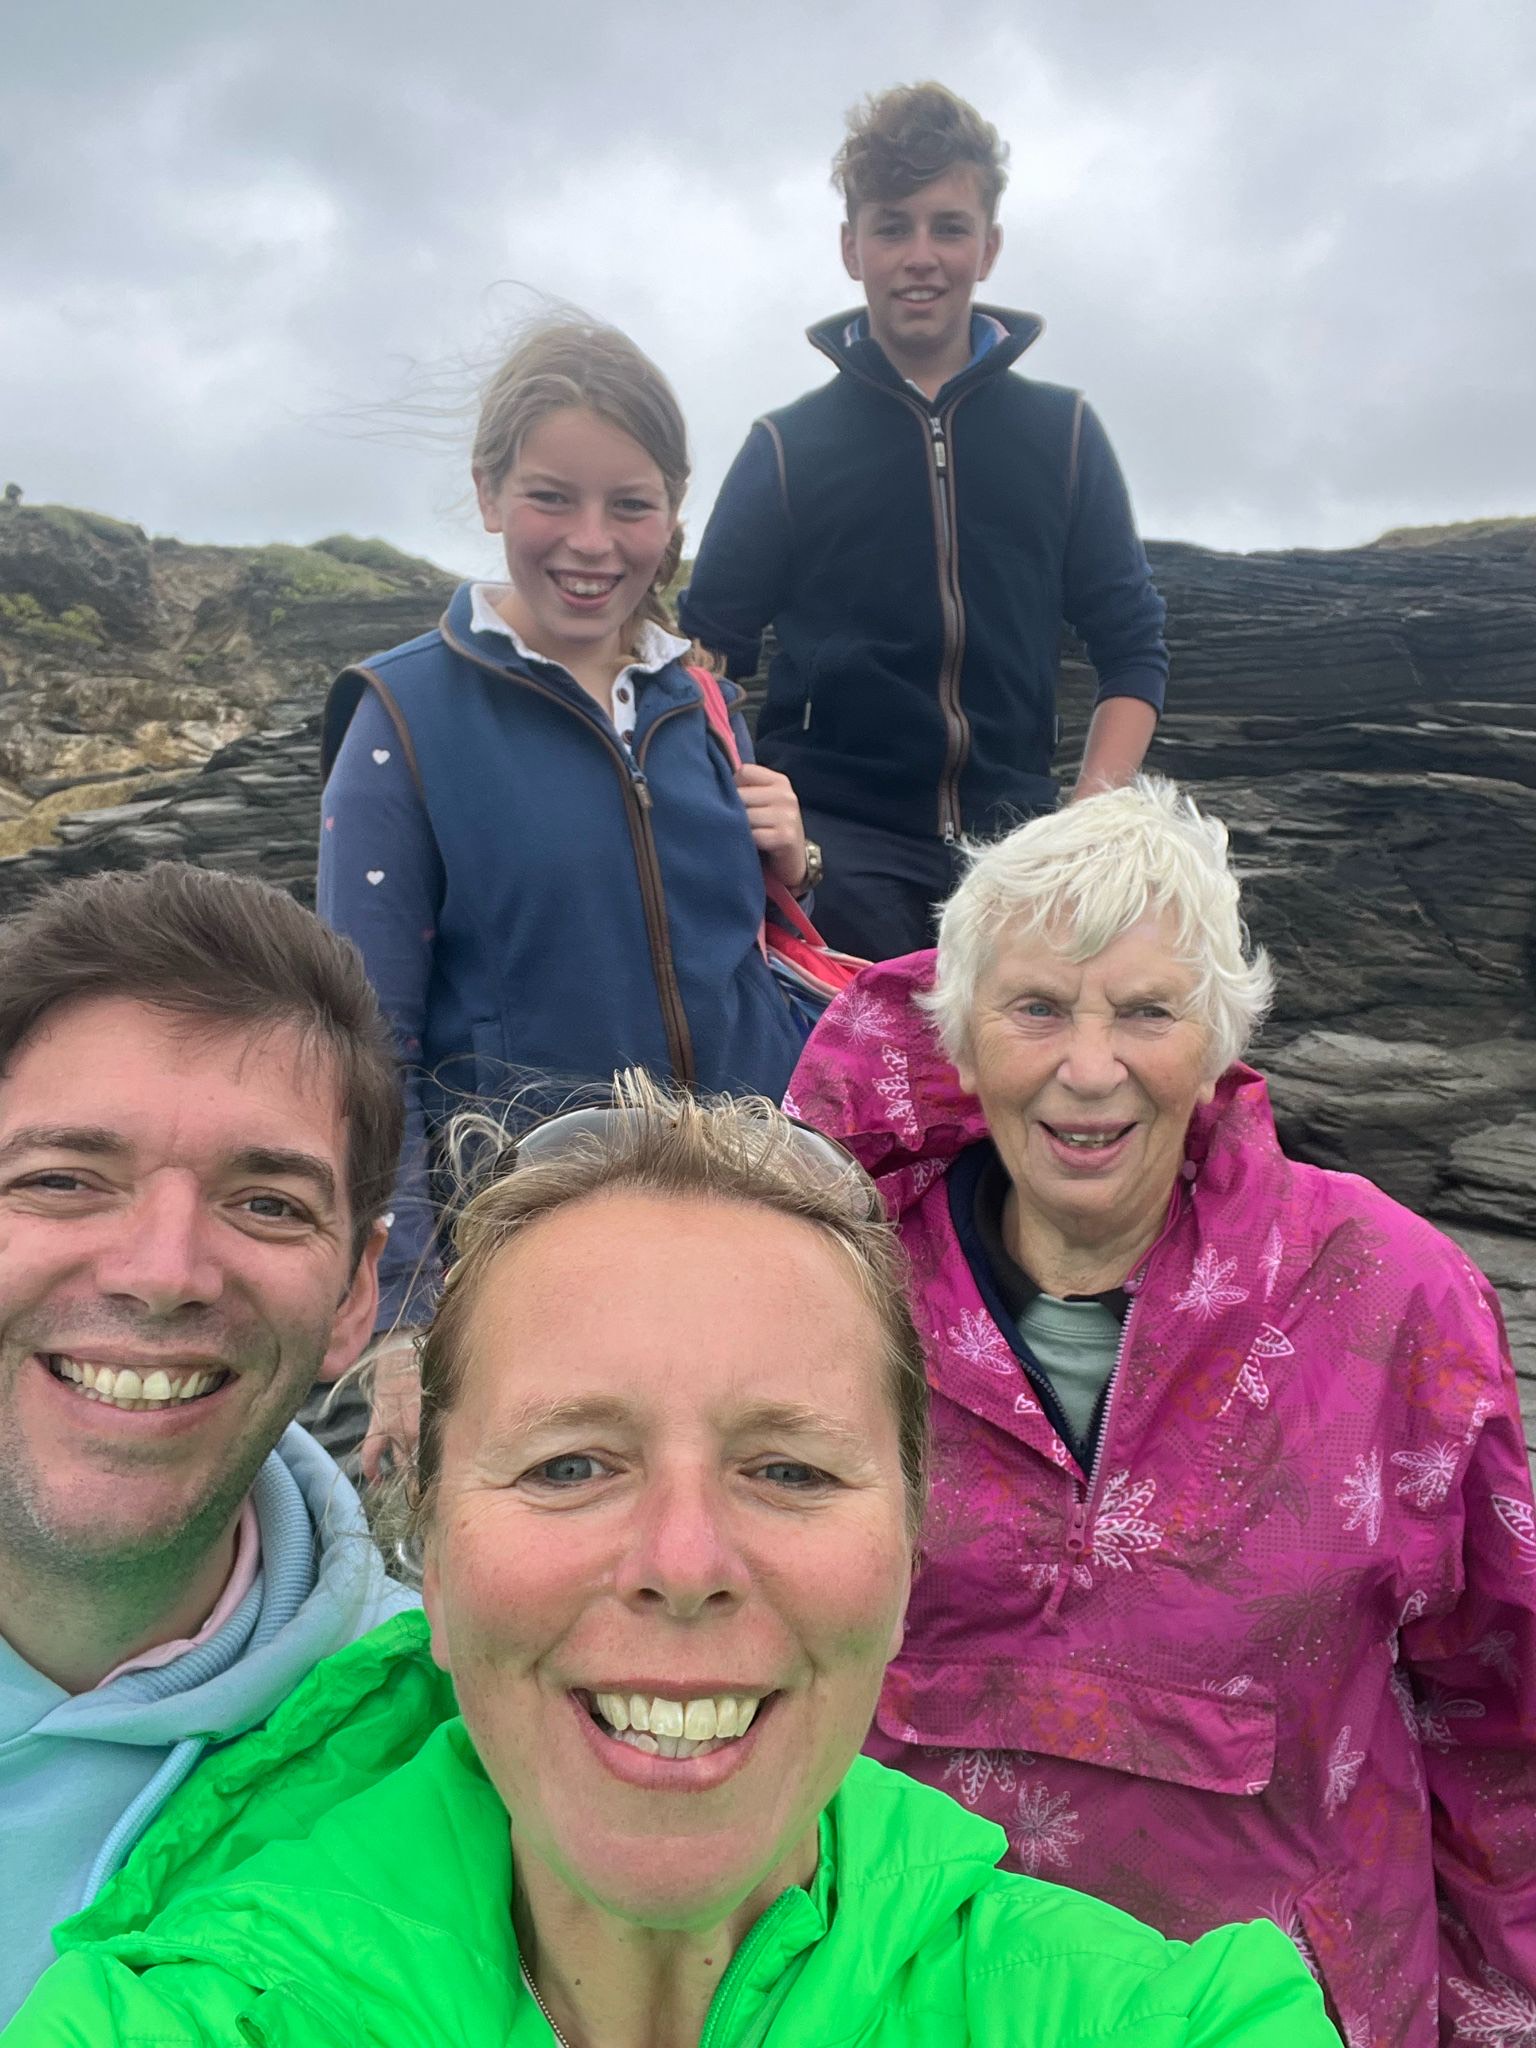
x=125, y=1388
x=1089, y=1140
x=674, y=1728
x=586, y=586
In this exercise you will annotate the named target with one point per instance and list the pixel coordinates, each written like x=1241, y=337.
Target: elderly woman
x=671, y=1463
x=1228, y=1591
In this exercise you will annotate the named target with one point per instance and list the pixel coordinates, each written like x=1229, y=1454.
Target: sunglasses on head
x=829, y=1162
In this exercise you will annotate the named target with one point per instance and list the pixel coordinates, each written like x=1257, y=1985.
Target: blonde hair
x=566, y=361
x=722, y=1149
x=1078, y=878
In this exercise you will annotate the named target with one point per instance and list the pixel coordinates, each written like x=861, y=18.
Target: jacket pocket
x=1099, y=1715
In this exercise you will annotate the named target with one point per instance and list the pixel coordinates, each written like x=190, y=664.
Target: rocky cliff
x=121, y=656
x=1365, y=721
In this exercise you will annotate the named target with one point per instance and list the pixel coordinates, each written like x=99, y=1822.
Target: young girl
x=528, y=829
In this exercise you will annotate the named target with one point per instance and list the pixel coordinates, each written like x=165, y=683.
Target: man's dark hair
x=902, y=139
x=218, y=949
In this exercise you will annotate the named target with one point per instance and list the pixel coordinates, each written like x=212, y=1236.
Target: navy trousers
x=881, y=890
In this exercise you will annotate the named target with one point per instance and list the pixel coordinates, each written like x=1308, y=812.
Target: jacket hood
x=874, y=1076
x=322, y=1584
x=349, y=1722
x=866, y=358
x=351, y=1595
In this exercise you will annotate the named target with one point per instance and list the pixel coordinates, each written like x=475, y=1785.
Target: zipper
x=653, y=894
x=1135, y=1286
x=1083, y=1490
x=956, y=725
x=1050, y=1404
x=1109, y=1395
x=728, y=1995
x=638, y=806
x=1086, y=1492
x=941, y=488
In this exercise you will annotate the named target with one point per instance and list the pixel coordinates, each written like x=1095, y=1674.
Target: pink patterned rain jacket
x=1276, y=1654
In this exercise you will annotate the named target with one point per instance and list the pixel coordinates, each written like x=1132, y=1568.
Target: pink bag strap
x=788, y=911
x=789, y=923
x=718, y=712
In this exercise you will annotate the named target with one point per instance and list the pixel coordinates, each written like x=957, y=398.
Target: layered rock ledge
x=1365, y=721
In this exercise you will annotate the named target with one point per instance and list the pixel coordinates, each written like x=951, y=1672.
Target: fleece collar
x=862, y=356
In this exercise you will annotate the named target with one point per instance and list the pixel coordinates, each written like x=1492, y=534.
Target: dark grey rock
x=64, y=558
x=1365, y=723
x=1491, y=1174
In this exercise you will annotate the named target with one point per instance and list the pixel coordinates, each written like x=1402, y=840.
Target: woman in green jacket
x=672, y=1458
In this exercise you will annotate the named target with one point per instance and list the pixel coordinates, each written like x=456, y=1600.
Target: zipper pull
x=805, y=723
x=940, y=453
x=642, y=788
x=1077, y=1542
x=949, y=833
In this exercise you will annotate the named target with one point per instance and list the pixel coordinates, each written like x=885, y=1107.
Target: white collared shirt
x=657, y=647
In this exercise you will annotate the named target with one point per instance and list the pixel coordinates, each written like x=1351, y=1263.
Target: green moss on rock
x=95, y=525
x=77, y=626
x=1460, y=532
x=294, y=575
x=378, y=555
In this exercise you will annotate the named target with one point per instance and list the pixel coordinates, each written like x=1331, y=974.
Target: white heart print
x=375, y=876
x=381, y=755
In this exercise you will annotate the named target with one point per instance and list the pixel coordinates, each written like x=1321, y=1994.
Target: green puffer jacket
x=387, y=1925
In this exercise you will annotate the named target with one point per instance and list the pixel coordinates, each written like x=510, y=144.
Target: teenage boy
x=915, y=532
x=200, y=1116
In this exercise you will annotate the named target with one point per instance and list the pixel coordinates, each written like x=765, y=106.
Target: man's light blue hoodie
x=82, y=1776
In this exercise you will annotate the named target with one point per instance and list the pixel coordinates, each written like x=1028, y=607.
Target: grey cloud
x=1289, y=257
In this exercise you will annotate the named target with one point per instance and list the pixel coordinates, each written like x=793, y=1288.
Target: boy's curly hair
x=905, y=137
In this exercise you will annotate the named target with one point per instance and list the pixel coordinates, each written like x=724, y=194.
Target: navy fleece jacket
x=546, y=905
x=916, y=559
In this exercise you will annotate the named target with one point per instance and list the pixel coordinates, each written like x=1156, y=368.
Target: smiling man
x=199, y=1121
x=915, y=532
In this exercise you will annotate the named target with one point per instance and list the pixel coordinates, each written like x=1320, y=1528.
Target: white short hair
x=1079, y=878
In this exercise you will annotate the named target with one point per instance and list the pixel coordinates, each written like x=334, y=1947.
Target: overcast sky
x=1289, y=251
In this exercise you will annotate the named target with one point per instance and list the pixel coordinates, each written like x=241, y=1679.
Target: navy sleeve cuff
x=1149, y=684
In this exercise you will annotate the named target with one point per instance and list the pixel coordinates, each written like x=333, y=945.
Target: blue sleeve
x=380, y=884
x=1108, y=596
x=741, y=572
x=734, y=697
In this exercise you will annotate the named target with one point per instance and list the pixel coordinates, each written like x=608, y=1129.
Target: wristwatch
x=815, y=868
